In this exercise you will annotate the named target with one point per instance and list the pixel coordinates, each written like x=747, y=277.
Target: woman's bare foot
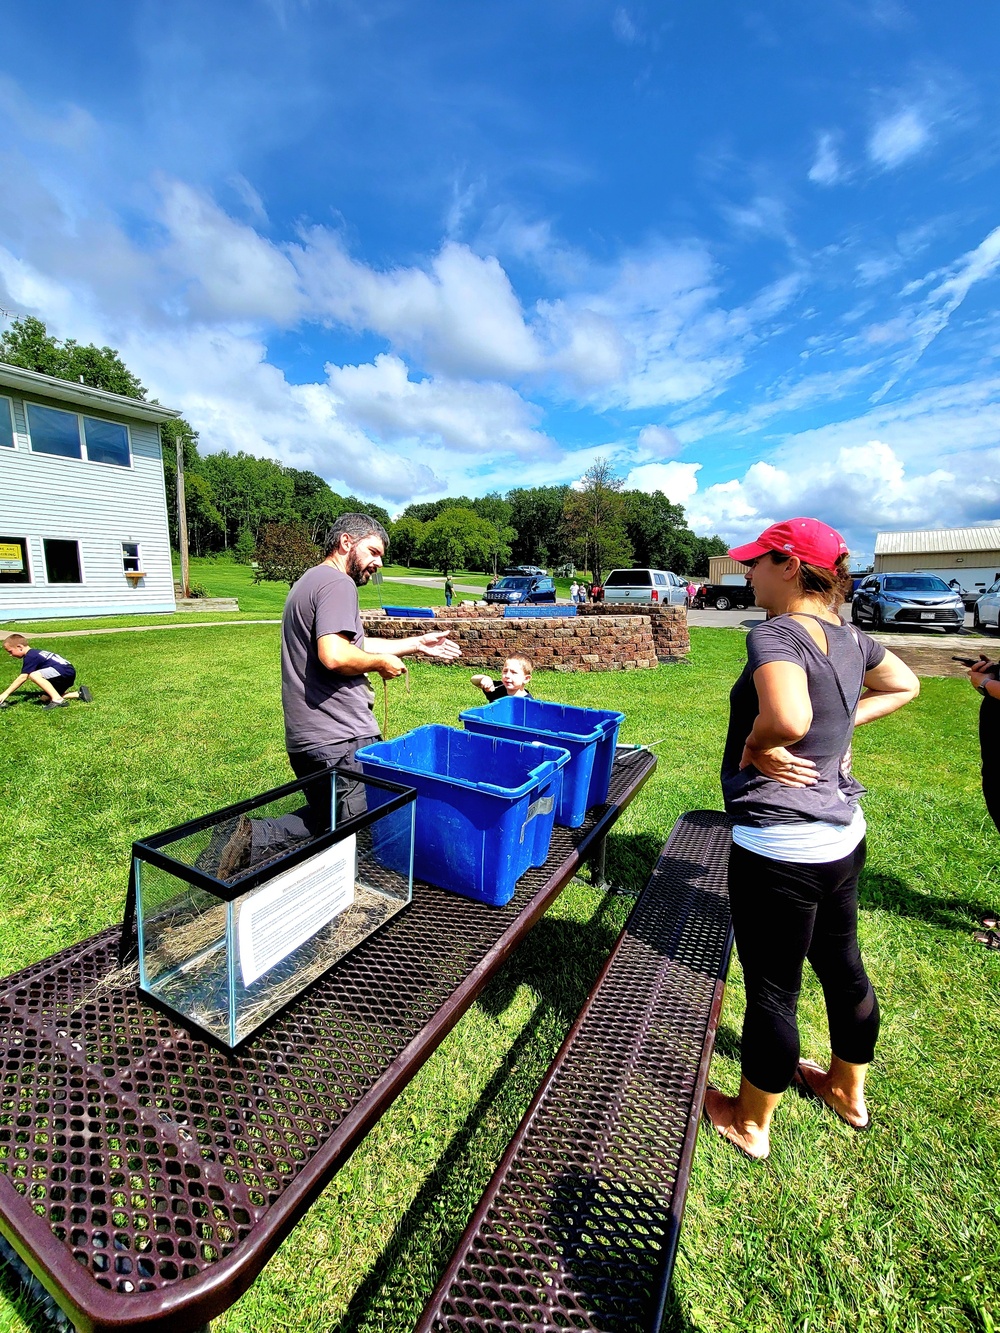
x=845, y=1102
x=751, y=1140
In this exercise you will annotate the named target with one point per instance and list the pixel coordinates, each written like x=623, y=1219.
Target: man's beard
x=356, y=570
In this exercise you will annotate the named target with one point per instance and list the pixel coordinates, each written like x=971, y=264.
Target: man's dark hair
x=357, y=526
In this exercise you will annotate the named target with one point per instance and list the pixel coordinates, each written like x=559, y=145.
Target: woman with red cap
x=799, y=833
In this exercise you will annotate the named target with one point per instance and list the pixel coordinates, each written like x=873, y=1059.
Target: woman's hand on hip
x=791, y=770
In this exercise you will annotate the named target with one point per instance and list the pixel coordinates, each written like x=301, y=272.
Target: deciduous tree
x=594, y=521
x=458, y=539
x=28, y=344
x=284, y=553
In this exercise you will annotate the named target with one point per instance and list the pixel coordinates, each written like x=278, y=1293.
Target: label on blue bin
x=278, y=918
x=543, y=806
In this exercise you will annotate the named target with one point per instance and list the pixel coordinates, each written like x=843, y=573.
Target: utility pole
x=182, y=525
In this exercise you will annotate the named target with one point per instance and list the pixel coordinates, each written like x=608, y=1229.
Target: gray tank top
x=835, y=680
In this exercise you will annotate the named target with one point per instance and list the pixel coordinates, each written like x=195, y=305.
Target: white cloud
x=765, y=215
x=857, y=489
x=623, y=26
x=943, y=300
x=898, y=137
x=71, y=127
x=461, y=317
x=228, y=271
x=236, y=400
x=657, y=442
x=677, y=481
x=826, y=168
x=788, y=396
x=587, y=348
x=471, y=418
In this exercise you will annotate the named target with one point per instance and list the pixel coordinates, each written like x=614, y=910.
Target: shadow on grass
x=891, y=894
x=727, y=1043
x=27, y=1297
x=630, y=860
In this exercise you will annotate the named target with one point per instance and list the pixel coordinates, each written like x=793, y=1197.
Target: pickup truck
x=645, y=585
x=725, y=595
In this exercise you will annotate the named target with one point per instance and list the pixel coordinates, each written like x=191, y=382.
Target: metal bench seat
x=578, y=1228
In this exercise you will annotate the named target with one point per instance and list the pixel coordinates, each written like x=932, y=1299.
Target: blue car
x=522, y=590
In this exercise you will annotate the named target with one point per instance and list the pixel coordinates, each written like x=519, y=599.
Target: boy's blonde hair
x=525, y=662
x=15, y=641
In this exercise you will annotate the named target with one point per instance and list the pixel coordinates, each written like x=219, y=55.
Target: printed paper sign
x=11, y=558
x=279, y=918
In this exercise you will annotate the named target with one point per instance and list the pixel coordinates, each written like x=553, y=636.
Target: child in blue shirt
x=52, y=674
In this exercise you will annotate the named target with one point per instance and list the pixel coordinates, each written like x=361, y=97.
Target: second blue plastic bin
x=589, y=734
x=485, y=807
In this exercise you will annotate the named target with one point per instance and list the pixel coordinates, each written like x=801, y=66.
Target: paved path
x=427, y=581
x=144, y=629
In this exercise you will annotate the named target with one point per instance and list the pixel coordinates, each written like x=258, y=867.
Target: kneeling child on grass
x=52, y=674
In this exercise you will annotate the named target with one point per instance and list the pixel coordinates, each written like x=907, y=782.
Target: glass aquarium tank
x=238, y=912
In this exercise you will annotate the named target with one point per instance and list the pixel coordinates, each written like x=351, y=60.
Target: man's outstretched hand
x=439, y=644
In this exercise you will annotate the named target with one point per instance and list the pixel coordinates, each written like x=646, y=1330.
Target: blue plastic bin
x=485, y=807
x=409, y=612
x=589, y=734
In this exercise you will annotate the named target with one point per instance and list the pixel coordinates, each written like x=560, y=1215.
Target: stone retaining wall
x=668, y=624
x=606, y=643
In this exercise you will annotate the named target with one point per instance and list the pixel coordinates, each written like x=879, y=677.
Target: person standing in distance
x=328, y=704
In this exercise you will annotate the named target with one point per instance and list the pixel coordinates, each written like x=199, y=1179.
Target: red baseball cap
x=812, y=541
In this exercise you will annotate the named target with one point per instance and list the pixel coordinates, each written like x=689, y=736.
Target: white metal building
x=83, y=512
x=970, y=555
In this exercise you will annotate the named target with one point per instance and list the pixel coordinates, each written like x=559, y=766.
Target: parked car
x=645, y=585
x=724, y=596
x=522, y=590
x=527, y=569
x=986, y=612
x=885, y=600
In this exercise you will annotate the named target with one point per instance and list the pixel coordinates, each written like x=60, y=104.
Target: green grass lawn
x=892, y=1230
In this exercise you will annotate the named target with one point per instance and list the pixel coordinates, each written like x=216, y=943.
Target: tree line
x=259, y=509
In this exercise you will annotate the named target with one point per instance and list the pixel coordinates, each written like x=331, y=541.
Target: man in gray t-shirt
x=325, y=695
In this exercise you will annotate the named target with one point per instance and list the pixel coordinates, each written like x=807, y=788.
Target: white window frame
x=122, y=467
x=79, y=561
x=28, y=405
x=137, y=558
x=82, y=435
x=10, y=413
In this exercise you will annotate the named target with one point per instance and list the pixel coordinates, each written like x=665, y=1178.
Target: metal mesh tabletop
x=146, y=1176
x=578, y=1228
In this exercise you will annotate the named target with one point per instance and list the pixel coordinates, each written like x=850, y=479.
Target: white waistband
x=811, y=841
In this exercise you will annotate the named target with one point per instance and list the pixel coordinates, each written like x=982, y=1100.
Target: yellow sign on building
x=11, y=557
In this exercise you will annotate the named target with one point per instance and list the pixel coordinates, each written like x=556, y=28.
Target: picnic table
x=147, y=1175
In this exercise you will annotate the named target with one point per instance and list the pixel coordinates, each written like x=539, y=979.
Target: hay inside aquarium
x=188, y=960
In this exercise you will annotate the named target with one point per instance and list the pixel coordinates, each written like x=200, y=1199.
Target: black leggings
x=989, y=745
x=784, y=913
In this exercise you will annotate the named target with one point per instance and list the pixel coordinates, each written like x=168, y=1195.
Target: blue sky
x=751, y=254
